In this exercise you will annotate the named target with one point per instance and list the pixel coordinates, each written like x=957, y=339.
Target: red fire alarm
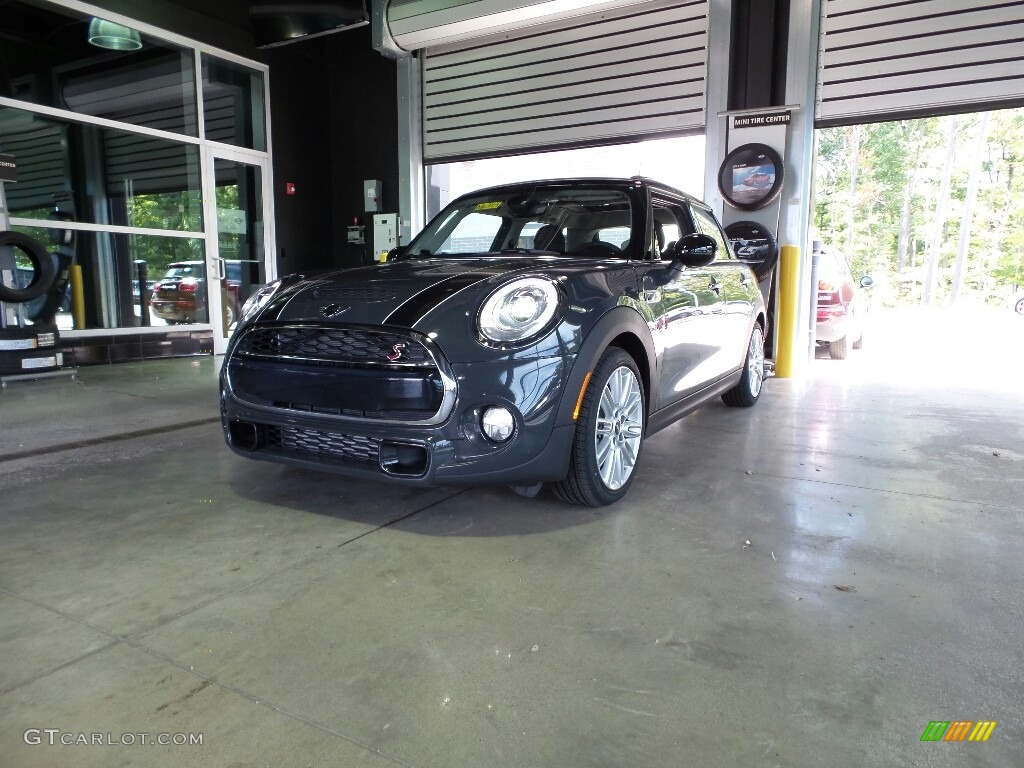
x=289, y=188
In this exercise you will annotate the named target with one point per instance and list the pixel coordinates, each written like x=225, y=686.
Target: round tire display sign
x=751, y=177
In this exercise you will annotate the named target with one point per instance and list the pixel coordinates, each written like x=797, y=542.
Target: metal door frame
x=215, y=267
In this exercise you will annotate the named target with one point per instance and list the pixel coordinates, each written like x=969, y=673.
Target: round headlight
x=258, y=300
x=519, y=311
x=498, y=423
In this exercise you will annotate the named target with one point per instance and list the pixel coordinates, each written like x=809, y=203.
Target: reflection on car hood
x=402, y=292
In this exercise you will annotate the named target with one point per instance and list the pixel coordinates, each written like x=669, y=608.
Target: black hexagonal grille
x=324, y=444
x=354, y=346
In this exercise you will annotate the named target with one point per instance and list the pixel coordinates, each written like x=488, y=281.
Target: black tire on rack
x=38, y=336
x=42, y=268
x=30, y=361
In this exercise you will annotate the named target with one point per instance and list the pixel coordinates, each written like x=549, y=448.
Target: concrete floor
x=151, y=582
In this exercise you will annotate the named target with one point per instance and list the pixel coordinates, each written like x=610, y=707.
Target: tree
x=934, y=243
x=965, y=219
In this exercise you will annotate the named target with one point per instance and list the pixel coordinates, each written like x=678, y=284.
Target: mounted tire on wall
x=743, y=234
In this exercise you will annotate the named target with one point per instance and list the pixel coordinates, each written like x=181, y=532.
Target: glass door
x=238, y=258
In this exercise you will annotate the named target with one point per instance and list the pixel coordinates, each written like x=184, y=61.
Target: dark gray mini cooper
x=533, y=333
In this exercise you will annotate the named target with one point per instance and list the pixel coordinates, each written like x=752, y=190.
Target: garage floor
x=808, y=583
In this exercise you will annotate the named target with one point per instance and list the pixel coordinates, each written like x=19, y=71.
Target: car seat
x=549, y=238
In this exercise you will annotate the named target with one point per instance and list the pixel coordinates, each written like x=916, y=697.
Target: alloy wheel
x=620, y=428
x=755, y=361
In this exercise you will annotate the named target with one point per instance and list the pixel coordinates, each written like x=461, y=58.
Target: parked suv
x=180, y=295
x=841, y=308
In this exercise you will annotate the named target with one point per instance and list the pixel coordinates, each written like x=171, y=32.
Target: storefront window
x=233, y=106
x=56, y=57
x=118, y=268
x=110, y=151
x=100, y=175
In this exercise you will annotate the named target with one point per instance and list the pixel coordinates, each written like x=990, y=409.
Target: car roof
x=633, y=181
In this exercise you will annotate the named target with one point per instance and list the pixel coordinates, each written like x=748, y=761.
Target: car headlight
x=519, y=311
x=258, y=300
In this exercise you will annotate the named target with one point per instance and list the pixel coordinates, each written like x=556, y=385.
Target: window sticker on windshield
x=487, y=206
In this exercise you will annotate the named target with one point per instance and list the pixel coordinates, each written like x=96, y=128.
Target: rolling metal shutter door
x=37, y=150
x=618, y=75
x=890, y=60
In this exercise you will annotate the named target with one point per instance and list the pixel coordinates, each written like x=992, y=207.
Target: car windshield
x=831, y=267
x=557, y=219
x=185, y=270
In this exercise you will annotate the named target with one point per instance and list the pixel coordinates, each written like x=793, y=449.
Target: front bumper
x=451, y=452
x=832, y=324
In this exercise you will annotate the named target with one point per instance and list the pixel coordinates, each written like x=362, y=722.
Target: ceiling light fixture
x=112, y=36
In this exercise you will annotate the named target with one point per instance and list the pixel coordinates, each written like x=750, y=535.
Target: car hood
x=402, y=292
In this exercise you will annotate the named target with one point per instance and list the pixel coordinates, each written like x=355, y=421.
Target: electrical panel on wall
x=371, y=195
x=385, y=234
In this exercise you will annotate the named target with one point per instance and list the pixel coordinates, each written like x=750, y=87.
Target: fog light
x=497, y=423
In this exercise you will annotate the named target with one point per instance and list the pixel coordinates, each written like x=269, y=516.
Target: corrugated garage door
x=37, y=150
x=618, y=75
x=888, y=60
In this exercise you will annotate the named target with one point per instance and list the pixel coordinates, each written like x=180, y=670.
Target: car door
x=687, y=308
x=739, y=291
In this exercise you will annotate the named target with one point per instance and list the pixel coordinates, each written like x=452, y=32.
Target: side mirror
x=692, y=251
x=866, y=281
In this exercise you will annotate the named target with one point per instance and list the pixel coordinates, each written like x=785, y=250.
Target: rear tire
x=859, y=343
x=609, y=434
x=837, y=350
x=748, y=390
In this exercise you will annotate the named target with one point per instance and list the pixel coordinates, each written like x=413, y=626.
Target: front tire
x=609, y=434
x=748, y=390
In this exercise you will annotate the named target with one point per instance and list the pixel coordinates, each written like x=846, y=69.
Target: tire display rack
x=27, y=351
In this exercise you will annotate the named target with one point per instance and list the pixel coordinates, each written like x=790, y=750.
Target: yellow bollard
x=77, y=297
x=786, y=310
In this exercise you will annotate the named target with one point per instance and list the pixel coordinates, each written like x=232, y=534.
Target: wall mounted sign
x=768, y=118
x=8, y=170
x=751, y=176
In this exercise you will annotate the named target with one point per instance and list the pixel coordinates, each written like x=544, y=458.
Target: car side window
x=670, y=223
x=706, y=225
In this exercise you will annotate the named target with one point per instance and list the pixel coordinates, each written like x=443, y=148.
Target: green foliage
x=180, y=211
x=865, y=172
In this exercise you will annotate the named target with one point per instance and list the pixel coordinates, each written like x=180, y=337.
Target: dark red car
x=180, y=295
x=841, y=308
